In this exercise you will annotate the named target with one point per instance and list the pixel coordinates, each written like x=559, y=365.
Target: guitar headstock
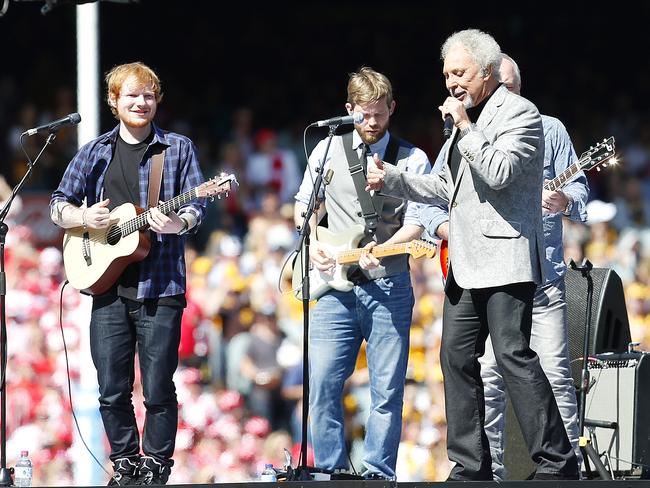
x=216, y=186
x=598, y=155
x=418, y=249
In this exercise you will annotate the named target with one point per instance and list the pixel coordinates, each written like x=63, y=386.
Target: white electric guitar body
x=344, y=246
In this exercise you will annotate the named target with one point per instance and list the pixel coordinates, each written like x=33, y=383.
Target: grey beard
x=468, y=102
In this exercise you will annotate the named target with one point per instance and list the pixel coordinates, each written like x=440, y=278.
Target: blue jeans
x=117, y=327
x=548, y=338
x=378, y=311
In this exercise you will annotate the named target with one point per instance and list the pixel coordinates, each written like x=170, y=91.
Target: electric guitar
x=94, y=258
x=344, y=246
x=597, y=156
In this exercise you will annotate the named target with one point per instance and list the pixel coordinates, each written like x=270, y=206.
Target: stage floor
x=631, y=483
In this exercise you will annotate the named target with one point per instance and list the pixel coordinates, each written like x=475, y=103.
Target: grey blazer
x=495, y=217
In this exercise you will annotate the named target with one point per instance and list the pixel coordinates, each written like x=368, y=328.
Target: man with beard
x=491, y=181
x=378, y=307
x=142, y=311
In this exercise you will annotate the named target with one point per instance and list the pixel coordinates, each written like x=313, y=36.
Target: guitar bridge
x=86, y=249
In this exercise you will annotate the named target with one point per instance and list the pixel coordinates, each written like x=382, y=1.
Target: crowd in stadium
x=239, y=382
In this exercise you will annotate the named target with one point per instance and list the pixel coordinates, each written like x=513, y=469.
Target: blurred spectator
x=26, y=119
x=599, y=249
x=291, y=390
x=260, y=366
x=272, y=168
x=632, y=205
x=16, y=204
x=241, y=132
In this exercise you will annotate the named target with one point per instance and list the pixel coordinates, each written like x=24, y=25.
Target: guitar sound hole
x=113, y=235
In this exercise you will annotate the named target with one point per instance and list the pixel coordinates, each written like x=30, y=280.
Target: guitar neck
x=353, y=255
x=137, y=223
x=563, y=178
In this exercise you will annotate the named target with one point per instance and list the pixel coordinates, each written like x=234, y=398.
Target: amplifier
x=620, y=393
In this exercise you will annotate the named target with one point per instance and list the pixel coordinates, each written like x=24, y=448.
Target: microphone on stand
x=355, y=118
x=71, y=119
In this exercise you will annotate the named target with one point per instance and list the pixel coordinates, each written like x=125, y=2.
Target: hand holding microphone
x=453, y=114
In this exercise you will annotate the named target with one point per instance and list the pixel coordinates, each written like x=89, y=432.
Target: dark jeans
x=117, y=327
x=506, y=314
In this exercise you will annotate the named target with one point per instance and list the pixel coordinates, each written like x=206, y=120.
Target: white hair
x=481, y=46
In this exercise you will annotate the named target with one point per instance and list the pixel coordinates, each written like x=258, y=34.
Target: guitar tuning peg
x=598, y=169
x=211, y=198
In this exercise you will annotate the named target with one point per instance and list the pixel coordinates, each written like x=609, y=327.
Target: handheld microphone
x=355, y=118
x=448, y=126
x=70, y=119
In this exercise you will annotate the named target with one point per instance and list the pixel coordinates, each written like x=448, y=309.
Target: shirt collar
x=159, y=136
x=378, y=147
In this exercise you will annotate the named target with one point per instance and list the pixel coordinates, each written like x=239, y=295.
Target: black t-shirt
x=122, y=185
x=122, y=180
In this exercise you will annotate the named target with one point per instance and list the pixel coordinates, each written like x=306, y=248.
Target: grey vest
x=344, y=210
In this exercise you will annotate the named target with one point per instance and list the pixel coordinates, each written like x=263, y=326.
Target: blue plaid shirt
x=162, y=272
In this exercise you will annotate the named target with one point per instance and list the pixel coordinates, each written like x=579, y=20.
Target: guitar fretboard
x=353, y=255
x=563, y=178
x=140, y=221
x=593, y=159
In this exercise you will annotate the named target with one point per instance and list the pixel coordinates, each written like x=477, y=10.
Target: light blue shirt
x=558, y=155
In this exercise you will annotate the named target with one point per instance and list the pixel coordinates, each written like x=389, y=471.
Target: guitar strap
x=155, y=178
x=371, y=206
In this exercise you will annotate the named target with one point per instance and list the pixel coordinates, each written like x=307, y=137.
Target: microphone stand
x=5, y=474
x=585, y=444
x=301, y=473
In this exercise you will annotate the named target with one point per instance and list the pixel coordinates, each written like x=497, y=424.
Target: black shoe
x=344, y=475
x=375, y=477
x=555, y=477
x=125, y=472
x=152, y=472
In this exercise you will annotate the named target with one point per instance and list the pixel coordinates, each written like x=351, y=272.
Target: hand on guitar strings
x=97, y=216
x=367, y=260
x=553, y=201
x=164, y=224
x=321, y=257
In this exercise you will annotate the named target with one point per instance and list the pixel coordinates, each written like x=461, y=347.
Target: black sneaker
x=556, y=476
x=375, y=477
x=125, y=472
x=152, y=471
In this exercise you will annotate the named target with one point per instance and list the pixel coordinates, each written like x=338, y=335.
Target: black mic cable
x=67, y=368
